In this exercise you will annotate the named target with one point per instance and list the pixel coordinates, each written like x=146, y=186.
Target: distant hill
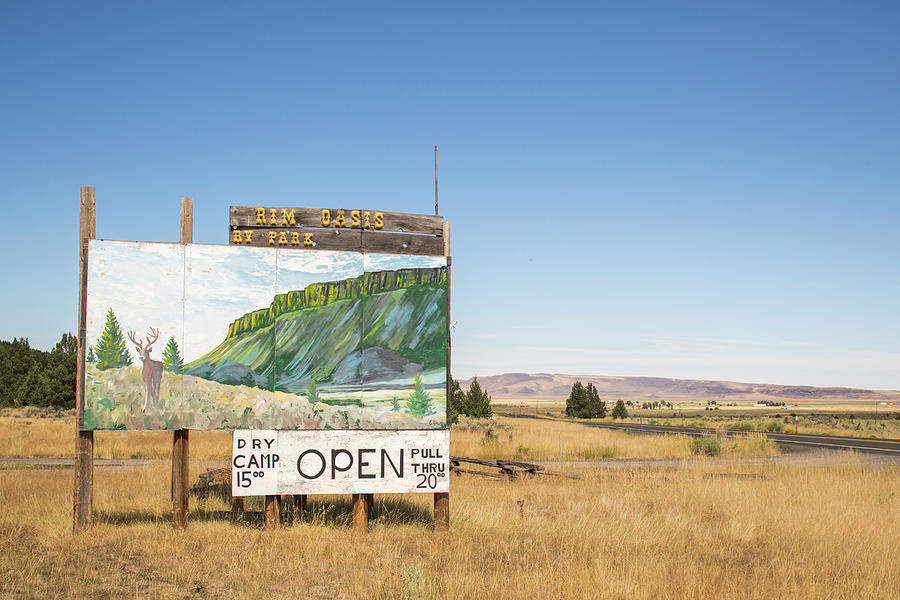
x=548, y=385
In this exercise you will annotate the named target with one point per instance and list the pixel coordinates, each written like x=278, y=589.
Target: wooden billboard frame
x=399, y=233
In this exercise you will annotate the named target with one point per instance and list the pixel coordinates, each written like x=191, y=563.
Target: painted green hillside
x=376, y=330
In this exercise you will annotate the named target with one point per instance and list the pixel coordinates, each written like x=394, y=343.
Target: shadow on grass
x=331, y=512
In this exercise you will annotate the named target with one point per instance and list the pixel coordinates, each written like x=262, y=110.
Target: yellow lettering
x=295, y=238
x=307, y=239
x=379, y=220
x=248, y=236
x=339, y=221
x=272, y=236
x=260, y=216
x=354, y=218
x=287, y=218
x=366, y=220
x=326, y=217
x=236, y=237
x=282, y=239
x=273, y=216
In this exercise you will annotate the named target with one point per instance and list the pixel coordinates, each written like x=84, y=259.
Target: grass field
x=852, y=419
x=823, y=531
x=35, y=433
x=755, y=528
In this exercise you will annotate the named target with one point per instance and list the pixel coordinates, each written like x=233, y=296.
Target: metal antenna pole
x=435, y=182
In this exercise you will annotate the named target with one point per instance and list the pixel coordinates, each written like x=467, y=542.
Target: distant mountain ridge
x=529, y=385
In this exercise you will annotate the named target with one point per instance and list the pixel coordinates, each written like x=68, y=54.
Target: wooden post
x=83, y=497
x=442, y=499
x=370, y=505
x=273, y=511
x=299, y=504
x=360, y=513
x=237, y=508
x=180, y=437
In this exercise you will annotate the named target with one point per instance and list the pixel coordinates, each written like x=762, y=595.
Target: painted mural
x=228, y=337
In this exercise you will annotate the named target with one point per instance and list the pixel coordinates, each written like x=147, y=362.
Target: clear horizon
x=696, y=191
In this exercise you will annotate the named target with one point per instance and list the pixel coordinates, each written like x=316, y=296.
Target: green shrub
x=745, y=427
x=773, y=427
x=490, y=437
x=707, y=446
x=600, y=452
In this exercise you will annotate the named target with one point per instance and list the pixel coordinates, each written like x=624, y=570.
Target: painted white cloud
x=143, y=284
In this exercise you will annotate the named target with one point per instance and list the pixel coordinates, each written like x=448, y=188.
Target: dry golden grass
x=31, y=433
x=827, y=530
x=542, y=439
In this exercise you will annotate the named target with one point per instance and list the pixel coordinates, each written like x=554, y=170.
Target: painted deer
x=152, y=370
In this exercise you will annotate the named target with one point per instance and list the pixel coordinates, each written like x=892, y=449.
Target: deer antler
x=138, y=345
x=155, y=333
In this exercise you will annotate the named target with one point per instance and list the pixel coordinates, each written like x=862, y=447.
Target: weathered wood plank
x=307, y=238
x=455, y=469
x=402, y=243
x=521, y=465
x=243, y=217
x=82, y=502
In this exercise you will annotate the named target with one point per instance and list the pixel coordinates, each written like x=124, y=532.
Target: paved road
x=861, y=444
x=890, y=446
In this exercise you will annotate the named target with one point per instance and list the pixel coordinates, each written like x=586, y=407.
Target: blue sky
x=692, y=190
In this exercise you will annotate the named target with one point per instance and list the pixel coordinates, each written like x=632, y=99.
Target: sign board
x=336, y=229
x=271, y=462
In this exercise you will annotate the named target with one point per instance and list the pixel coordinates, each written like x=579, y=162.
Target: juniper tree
x=456, y=404
x=478, y=402
x=577, y=400
x=619, y=411
x=595, y=408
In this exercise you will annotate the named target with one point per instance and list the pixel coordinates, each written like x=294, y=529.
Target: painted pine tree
x=419, y=403
x=172, y=357
x=90, y=355
x=111, y=351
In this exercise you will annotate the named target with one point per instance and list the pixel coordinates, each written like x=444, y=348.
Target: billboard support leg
x=83, y=495
x=442, y=510
x=360, y=512
x=273, y=511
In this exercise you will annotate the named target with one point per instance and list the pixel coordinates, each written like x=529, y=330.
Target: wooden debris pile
x=508, y=469
x=217, y=481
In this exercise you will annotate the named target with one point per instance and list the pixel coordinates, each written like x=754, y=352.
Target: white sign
x=270, y=462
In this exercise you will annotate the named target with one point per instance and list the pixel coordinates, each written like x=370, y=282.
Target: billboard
x=190, y=336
